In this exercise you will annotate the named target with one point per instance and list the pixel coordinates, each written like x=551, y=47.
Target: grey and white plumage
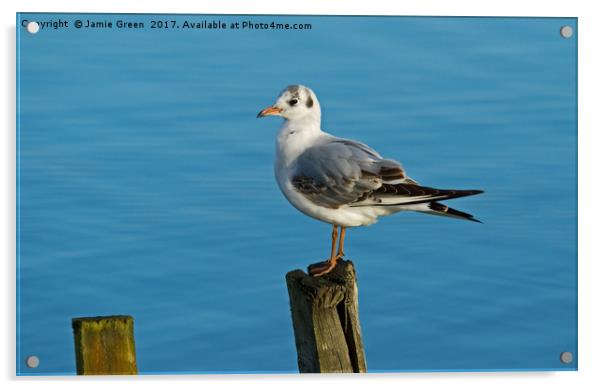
x=340, y=181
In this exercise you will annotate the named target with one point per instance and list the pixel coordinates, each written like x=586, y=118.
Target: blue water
x=145, y=187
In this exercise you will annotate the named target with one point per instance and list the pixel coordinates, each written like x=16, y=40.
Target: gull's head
x=295, y=102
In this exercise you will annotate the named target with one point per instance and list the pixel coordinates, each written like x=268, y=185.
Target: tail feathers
x=443, y=210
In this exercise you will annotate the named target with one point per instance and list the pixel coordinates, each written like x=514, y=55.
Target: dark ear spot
x=310, y=102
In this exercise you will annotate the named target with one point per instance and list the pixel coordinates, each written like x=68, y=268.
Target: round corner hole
x=33, y=27
x=566, y=357
x=32, y=361
x=566, y=32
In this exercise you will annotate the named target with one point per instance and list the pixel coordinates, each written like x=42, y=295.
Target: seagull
x=341, y=181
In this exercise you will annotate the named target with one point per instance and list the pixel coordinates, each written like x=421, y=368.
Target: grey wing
x=344, y=172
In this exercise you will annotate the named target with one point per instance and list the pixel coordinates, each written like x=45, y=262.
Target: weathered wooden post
x=104, y=345
x=326, y=321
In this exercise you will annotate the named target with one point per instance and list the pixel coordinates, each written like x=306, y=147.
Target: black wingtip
x=454, y=194
x=469, y=192
x=471, y=218
x=444, y=210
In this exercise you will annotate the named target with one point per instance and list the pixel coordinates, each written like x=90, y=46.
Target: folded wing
x=347, y=173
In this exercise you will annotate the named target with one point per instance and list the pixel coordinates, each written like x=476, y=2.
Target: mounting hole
x=32, y=361
x=33, y=27
x=566, y=31
x=566, y=357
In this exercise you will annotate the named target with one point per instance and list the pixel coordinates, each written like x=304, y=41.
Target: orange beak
x=269, y=111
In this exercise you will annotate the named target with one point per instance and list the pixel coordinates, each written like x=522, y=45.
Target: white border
x=590, y=162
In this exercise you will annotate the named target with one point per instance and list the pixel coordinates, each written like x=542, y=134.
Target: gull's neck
x=295, y=136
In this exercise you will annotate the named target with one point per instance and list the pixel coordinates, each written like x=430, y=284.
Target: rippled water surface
x=145, y=187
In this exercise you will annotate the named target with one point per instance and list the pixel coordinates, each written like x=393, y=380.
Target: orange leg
x=328, y=265
x=335, y=235
x=341, y=252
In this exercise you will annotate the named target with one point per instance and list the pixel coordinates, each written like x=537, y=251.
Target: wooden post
x=326, y=321
x=104, y=345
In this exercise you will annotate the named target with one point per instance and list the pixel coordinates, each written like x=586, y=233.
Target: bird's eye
x=293, y=102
